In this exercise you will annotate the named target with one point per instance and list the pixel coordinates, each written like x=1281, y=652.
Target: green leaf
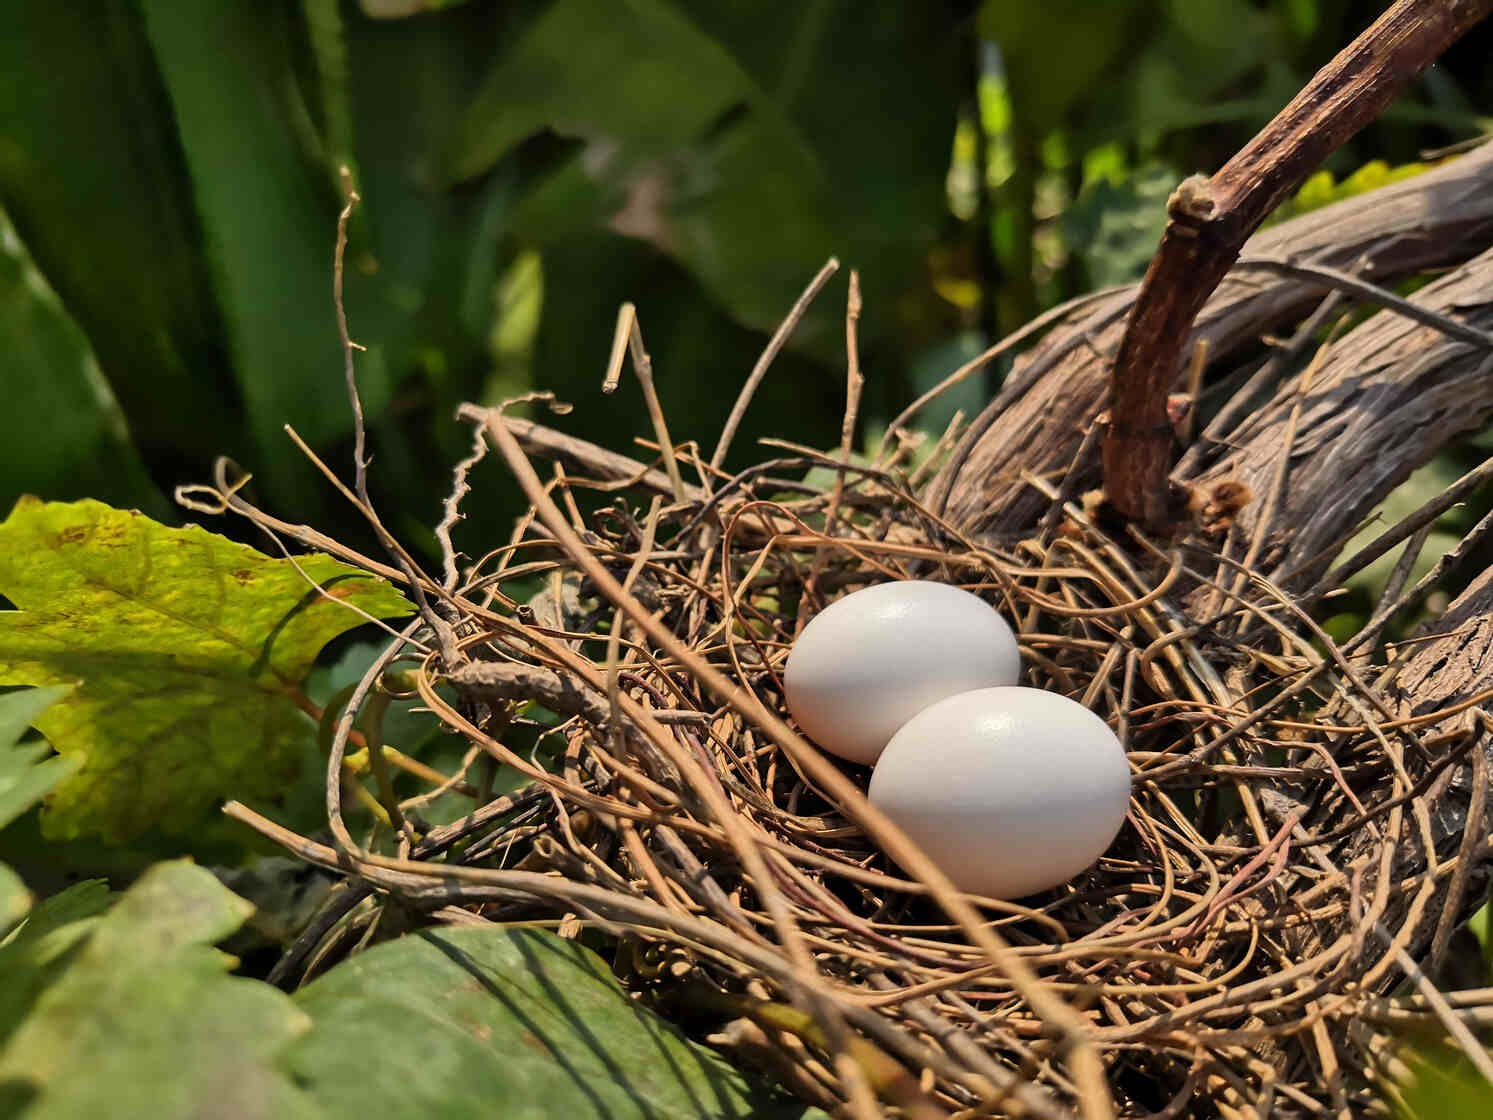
x=327, y=39
x=1444, y=1086
x=265, y=198
x=144, y=1023
x=1481, y=925
x=623, y=86
x=1182, y=71
x=857, y=167
x=64, y=912
x=34, y=956
x=1092, y=37
x=706, y=125
x=129, y=1015
x=1114, y=227
x=92, y=176
x=26, y=775
x=15, y=899
x=63, y=430
x=188, y=648
x=517, y=1023
x=420, y=294
x=586, y=278
x=722, y=232
x=426, y=258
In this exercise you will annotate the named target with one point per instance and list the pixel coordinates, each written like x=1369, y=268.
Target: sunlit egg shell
x=1009, y=791
x=869, y=662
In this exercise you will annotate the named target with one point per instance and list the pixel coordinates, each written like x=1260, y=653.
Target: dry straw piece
x=1308, y=825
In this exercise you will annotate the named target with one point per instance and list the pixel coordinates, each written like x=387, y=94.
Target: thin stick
x=1282, y=468
x=599, y=462
x=417, y=579
x=1194, y=389
x=1431, y=579
x=1466, y=1041
x=373, y=734
x=1426, y=515
x=1400, y=574
x=643, y=366
x=627, y=315
x=360, y=430
x=759, y=371
x=1472, y=833
x=1228, y=418
x=451, y=508
x=629, y=334
x=1370, y=293
x=614, y=639
x=983, y=359
x=854, y=383
x=1210, y=219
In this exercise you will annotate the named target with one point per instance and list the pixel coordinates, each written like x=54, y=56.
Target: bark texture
x=1058, y=388
x=1385, y=399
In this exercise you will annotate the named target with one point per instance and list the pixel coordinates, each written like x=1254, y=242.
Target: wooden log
x=1057, y=389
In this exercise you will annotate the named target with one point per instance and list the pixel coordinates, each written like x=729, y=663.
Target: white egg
x=1008, y=790
x=869, y=662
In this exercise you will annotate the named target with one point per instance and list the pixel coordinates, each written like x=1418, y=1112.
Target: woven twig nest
x=1205, y=953
x=1305, y=834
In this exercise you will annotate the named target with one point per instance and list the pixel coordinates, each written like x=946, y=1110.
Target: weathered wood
x=1452, y=667
x=1209, y=220
x=1458, y=664
x=1383, y=401
x=1057, y=389
x=1442, y=674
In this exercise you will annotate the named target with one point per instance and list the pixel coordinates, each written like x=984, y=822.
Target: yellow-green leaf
x=1322, y=189
x=1442, y=1085
x=26, y=775
x=34, y=955
x=25, y=778
x=188, y=651
x=15, y=899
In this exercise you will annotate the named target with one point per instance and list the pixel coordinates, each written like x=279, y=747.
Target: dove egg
x=869, y=662
x=1008, y=790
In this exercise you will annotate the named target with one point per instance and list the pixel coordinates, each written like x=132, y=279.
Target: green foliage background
x=169, y=184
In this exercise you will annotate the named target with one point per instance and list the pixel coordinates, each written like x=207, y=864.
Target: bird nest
x=1244, y=946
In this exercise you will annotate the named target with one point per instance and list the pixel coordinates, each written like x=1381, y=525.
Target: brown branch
x=1057, y=388
x=1209, y=220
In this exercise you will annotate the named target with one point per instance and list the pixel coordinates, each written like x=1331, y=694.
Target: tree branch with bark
x=1209, y=220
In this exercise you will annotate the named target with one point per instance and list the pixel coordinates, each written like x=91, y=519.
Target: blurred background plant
x=170, y=180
